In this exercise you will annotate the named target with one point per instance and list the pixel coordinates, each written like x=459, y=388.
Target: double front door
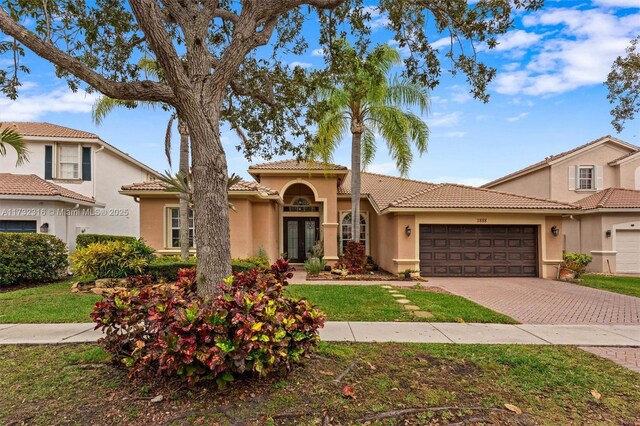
x=300, y=235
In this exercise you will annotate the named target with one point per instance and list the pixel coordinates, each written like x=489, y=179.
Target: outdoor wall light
x=407, y=231
x=608, y=233
x=44, y=228
x=555, y=231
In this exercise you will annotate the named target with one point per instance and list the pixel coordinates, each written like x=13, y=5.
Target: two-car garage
x=478, y=250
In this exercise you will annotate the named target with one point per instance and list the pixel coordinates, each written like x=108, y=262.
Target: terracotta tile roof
x=296, y=165
x=612, y=198
x=13, y=184
x=384, y=189
x=242, y=186
x=448, y=195
x=556, y=157
x=26, y=128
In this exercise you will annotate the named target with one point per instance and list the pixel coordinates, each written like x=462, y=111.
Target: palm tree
x=9, y=137
x=365, y=102
x=105, y=105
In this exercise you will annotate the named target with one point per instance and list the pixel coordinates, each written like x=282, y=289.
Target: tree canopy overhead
x=222, y=62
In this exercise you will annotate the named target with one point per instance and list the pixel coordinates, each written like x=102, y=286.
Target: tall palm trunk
x=357, y=128
x=183, y=129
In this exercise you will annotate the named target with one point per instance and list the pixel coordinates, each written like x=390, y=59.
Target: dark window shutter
x=86, y=163
x=48, y=162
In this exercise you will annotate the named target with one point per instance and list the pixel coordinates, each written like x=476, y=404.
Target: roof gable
x=563, y=156
x=43, y=129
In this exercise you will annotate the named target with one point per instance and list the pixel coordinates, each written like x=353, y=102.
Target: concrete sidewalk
x=404, y=332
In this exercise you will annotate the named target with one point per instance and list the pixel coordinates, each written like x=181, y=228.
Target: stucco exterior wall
x=534, y=184
x=629, y=173
x=549, y=246
x=598, y=156
x=109, y=172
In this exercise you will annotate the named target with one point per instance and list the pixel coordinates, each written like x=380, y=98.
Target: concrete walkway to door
x=538, y=301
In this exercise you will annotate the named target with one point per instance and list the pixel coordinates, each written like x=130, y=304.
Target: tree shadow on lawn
x=408, y=383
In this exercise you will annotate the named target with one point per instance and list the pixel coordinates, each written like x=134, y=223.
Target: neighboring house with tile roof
x=439, y=229
x=602, y=177
x=70, y=184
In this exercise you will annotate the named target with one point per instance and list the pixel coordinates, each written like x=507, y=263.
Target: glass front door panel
x=292, y=239
x=309, y=236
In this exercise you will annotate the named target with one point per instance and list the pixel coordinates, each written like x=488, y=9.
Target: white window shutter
x=572, y=178
x=599, y=177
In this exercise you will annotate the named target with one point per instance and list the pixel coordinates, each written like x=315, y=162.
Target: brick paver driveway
x=627, y=357
x=538, y=301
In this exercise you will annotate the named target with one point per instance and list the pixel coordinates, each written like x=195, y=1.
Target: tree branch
x=145, y=90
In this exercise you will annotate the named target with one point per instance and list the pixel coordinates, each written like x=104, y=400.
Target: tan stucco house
x=603, y=178
x=438, y=229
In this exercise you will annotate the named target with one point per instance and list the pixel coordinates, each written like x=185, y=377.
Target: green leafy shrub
x=249, y=263
x=354, y=257
x=248, y=326
x=112, y=259
x=577, y=262
x=166, y=268
x=31, y=258
x=580, y=258
x=314, y=265
x=83, y=240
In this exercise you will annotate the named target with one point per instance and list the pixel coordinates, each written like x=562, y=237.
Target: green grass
x=374, y=303
x=53, y=303
x=623, y=285
x=75, y=384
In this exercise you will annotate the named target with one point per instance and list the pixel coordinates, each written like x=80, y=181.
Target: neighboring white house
x=69, y=185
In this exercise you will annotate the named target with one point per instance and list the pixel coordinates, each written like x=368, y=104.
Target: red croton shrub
x=249, y=326
x=354, y=257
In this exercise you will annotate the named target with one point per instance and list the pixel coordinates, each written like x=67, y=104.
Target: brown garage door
x=479, y=250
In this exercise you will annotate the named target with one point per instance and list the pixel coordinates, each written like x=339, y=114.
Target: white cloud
x=318, y=52
x=388, y=168
x=469, y=181
x=618, y=3
x=441, y=42
x=300, y=64
x=581, y=52
x=518, y=117
x=439, y=119
x=460, y=95
x=32, y=106
x=378, y=20
x=516, y=39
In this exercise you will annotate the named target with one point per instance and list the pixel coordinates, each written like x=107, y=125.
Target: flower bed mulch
x=366, y=276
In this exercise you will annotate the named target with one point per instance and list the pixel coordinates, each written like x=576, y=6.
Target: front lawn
x=435, y=384
x=374, y=303
x=623, y=285
x=53, y=303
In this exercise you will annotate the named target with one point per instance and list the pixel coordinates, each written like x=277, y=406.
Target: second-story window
x=586, y=177
x=68, y=162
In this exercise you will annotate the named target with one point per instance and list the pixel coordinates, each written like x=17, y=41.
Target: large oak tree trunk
x=184, y=201
x=210, y=197
x=356, y=159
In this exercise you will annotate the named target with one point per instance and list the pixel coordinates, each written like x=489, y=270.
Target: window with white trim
x=174, y=227
x=68, y=162
x=346, y=234
x=586, y=177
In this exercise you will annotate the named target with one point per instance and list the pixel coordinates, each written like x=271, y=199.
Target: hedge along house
x=438, y=229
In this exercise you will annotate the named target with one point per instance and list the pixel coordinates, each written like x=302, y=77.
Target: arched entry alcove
x=302, y=211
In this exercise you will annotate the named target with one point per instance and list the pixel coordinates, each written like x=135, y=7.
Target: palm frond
x=418, y=132
x=331, y=130
x=407, y=94
x=9, y=137
x=151, y=67
x=167, y=138
x=393, y=125
x=368, y=147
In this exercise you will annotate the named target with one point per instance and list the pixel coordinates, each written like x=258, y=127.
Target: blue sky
x=548, y=97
